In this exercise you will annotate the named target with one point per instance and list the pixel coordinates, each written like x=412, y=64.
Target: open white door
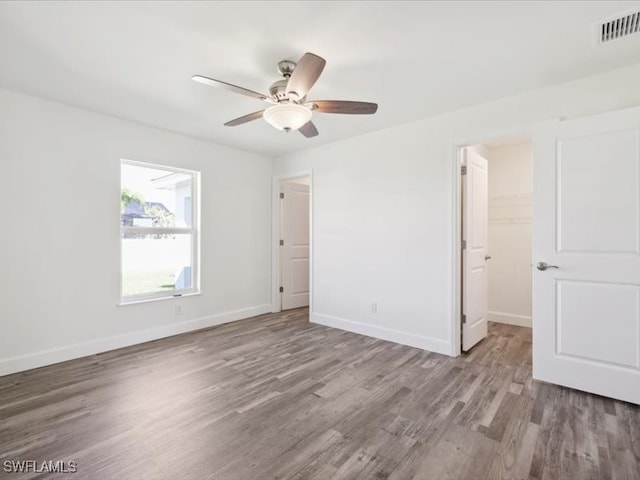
x=474, y=252
x=586, y=285
x=294, y=252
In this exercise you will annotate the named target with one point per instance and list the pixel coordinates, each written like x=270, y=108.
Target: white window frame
x=194, y=231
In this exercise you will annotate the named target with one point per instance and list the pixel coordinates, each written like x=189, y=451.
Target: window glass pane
x=154, y=197
x=155, y=263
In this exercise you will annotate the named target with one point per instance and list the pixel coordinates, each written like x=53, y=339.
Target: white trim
x=196, y=239
x=397, y=336
x=153, y=296
x=176, y=296
x=509, y=319
x=158, y=230
x=276, y=303
x=70, y=352
x=158, y=166
x=456, y=254
x=456, y=231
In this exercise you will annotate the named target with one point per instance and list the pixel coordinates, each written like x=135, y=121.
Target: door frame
x=456, y=222
x=277, y=180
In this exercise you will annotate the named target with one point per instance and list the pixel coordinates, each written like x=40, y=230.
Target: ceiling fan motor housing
x=278, y=90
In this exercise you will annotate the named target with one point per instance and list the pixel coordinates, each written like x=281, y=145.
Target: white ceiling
x=416, y=59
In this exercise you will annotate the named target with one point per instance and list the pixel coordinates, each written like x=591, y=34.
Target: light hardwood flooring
x=275, y=397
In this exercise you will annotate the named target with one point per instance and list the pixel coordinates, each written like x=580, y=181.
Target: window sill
x=124, y=303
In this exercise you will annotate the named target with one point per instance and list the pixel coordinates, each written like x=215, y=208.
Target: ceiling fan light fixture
x=288, y=107
x=287, y=116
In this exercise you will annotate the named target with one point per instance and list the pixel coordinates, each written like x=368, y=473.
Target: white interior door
x=474, y=253
x=294, y=253
x=586, y=303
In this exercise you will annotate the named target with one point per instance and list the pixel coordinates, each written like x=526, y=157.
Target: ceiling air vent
x=619, y=27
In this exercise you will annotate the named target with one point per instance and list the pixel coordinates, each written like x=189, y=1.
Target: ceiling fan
x=290, y=109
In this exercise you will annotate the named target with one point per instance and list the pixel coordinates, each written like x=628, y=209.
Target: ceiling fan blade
x=244, y=119
x=308, y=130
x=229, y=86
x=343, y=106
x=305, y=74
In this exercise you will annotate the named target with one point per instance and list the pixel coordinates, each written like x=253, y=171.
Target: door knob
x=543, y=266
x=487, y=257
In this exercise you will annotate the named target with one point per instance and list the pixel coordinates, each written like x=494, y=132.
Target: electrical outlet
x=178, y=310
x=374, y=307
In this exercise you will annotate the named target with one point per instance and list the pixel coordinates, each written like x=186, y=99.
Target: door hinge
x=464, y=244
x=463, y=170
x=464, y=318
x=281, y=194
x=281, y=289
x=281, y=243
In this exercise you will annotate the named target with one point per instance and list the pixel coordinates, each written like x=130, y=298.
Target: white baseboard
x=383, y=333
x=509, y=318
x=70, y=352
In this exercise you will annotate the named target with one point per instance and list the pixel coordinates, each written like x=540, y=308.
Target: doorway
x=292, y=243
x=495, y=211
x=586, y=251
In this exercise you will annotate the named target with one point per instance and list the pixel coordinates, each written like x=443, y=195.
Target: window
x=158, y=231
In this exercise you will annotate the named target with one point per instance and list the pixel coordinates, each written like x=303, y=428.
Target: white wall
x=510, y=273
x=59, y=247
x=383, y=209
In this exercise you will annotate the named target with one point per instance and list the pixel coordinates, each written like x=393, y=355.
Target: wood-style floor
x=275, y=397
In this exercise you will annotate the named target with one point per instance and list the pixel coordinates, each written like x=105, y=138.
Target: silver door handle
x=543, y=266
